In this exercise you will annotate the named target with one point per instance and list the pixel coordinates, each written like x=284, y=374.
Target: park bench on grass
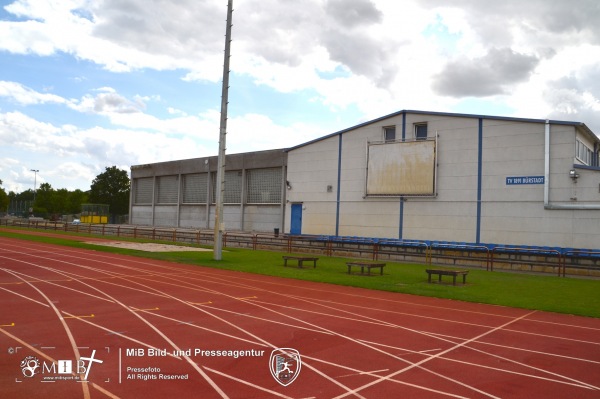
x=447, y=272
x=300, y=259
x=366, y=265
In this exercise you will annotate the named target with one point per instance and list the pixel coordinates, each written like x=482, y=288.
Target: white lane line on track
x=267, y=320
x=209, y=330
x=37, y=280
x=553, y=337
x=372, y=372
x=247, y=383
x=576, y=383
x=25, y=297
x=522, y=349
x=471, y=324
x=419, y=363
x=393, y=380
x=293, y=308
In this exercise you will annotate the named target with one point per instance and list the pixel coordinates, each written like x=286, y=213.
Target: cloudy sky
x=88, y=84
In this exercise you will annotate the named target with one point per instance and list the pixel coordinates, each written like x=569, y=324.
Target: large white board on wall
x=401, y=168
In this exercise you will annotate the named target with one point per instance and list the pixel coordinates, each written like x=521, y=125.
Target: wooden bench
x=365, y=265
x=446, y=272
x=300, y=259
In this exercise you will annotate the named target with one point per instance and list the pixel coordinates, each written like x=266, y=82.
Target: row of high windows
x=420, y=132
x=262, y=186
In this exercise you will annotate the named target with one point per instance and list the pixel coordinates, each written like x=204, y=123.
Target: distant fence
x=558, y=261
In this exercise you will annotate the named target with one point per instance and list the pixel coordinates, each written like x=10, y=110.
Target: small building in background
x=94, y=213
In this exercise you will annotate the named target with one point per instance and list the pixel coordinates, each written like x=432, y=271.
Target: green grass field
x=576, y=296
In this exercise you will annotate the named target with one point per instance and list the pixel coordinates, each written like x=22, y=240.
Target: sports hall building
x=410, y=175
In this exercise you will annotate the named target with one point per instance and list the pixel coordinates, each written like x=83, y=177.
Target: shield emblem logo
x=285, y=365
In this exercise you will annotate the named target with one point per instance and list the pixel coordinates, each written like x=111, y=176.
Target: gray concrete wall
x=248, y=217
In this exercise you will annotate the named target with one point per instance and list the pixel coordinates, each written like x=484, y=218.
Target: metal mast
x=220, y=189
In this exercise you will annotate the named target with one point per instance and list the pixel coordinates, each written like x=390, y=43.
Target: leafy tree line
x=111, y=187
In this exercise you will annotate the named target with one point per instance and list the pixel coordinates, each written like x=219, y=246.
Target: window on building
x=264, y=186
x=421, y=131
x=389, y=133
x=583, y=153
x=233, y=187
x=142, y=193
x=195, y=189
x=167, y=189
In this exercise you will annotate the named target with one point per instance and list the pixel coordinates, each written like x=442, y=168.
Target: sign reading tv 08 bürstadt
x=514, y=180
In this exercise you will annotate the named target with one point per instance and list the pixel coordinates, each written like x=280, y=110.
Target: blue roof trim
x=473, y=116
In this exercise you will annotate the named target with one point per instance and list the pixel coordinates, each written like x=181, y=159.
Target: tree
x=44, y=200
x=112, y=187
x=76, y=198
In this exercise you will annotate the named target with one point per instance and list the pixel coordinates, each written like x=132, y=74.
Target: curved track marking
x=84, y=386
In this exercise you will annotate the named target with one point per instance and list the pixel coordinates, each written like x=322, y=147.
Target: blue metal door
x=296, y=225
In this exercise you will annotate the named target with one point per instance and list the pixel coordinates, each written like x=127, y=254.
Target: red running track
x=148, y=329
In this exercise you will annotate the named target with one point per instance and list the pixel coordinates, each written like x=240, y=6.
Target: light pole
x=220, y=189
x=35, y=171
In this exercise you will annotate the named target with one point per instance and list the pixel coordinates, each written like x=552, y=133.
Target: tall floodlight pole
x=220, y=189
x=35, y=172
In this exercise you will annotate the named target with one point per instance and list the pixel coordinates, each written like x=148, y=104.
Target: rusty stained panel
x=401, y=168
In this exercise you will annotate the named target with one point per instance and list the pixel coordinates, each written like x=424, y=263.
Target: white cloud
x=26, y=96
